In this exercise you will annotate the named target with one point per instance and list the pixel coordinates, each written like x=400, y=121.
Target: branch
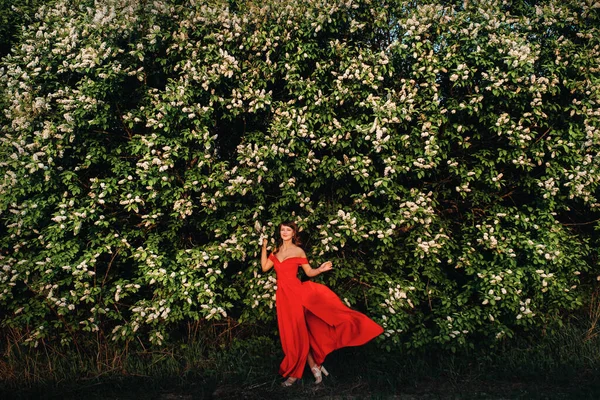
x=580, y=223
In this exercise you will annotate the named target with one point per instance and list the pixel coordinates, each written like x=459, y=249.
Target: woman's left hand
x=326, y=266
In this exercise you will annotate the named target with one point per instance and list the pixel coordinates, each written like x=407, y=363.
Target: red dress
x=311, y=316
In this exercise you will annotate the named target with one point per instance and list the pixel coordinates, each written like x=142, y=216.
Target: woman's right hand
x=265, y=263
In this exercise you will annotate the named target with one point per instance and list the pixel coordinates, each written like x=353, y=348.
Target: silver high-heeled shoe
x=317, y=370
x=289, y=382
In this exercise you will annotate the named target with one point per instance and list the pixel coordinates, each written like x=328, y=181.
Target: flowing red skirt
x=313, y=318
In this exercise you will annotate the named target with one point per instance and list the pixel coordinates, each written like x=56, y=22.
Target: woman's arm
x=312, y=272
x=265, y=263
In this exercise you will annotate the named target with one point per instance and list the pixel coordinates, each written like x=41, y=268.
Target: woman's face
x=286, y=232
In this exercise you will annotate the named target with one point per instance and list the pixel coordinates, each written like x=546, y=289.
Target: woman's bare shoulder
x=299, y=252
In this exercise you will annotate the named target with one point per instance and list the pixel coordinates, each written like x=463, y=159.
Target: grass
x=560, y=365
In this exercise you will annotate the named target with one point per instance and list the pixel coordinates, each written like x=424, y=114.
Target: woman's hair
x=295, y=238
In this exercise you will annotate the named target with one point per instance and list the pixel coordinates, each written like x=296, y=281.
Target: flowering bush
x=442, y=156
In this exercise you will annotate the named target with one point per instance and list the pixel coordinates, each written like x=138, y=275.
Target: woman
x=312, y=320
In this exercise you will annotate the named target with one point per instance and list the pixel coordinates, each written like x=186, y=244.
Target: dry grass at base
x=561, y=365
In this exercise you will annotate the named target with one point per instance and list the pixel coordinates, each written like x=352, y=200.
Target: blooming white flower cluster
x=239, y=184
x=550, y=186
x=155, y=337
x=213, y=311
x=546, y=277
x=462, y=72
x=359, y=166
x=129, y=199
x=263, y=290
x=525, y=308
x=398, y=298
x=209, y=200
x=492, y=238
x=501, y=282
x=422, y=19
x=582, y=181
x=452, y=331
x=419, y=210
x=431, y=246
x=121, y=15
x=251, y=158
x=146, y=312
x=184, y=207
x=328, y=239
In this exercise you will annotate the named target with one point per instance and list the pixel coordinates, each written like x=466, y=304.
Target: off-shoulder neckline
x=288, y=258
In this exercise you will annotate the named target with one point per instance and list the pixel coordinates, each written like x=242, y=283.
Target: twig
x=361, y=283
x=109, y=265
x=580, y=223
x=543, y=135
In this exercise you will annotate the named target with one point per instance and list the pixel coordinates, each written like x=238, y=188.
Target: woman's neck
x=286, y=244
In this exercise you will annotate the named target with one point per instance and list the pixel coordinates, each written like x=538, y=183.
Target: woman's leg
x=317, y=370
x=311, y=360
